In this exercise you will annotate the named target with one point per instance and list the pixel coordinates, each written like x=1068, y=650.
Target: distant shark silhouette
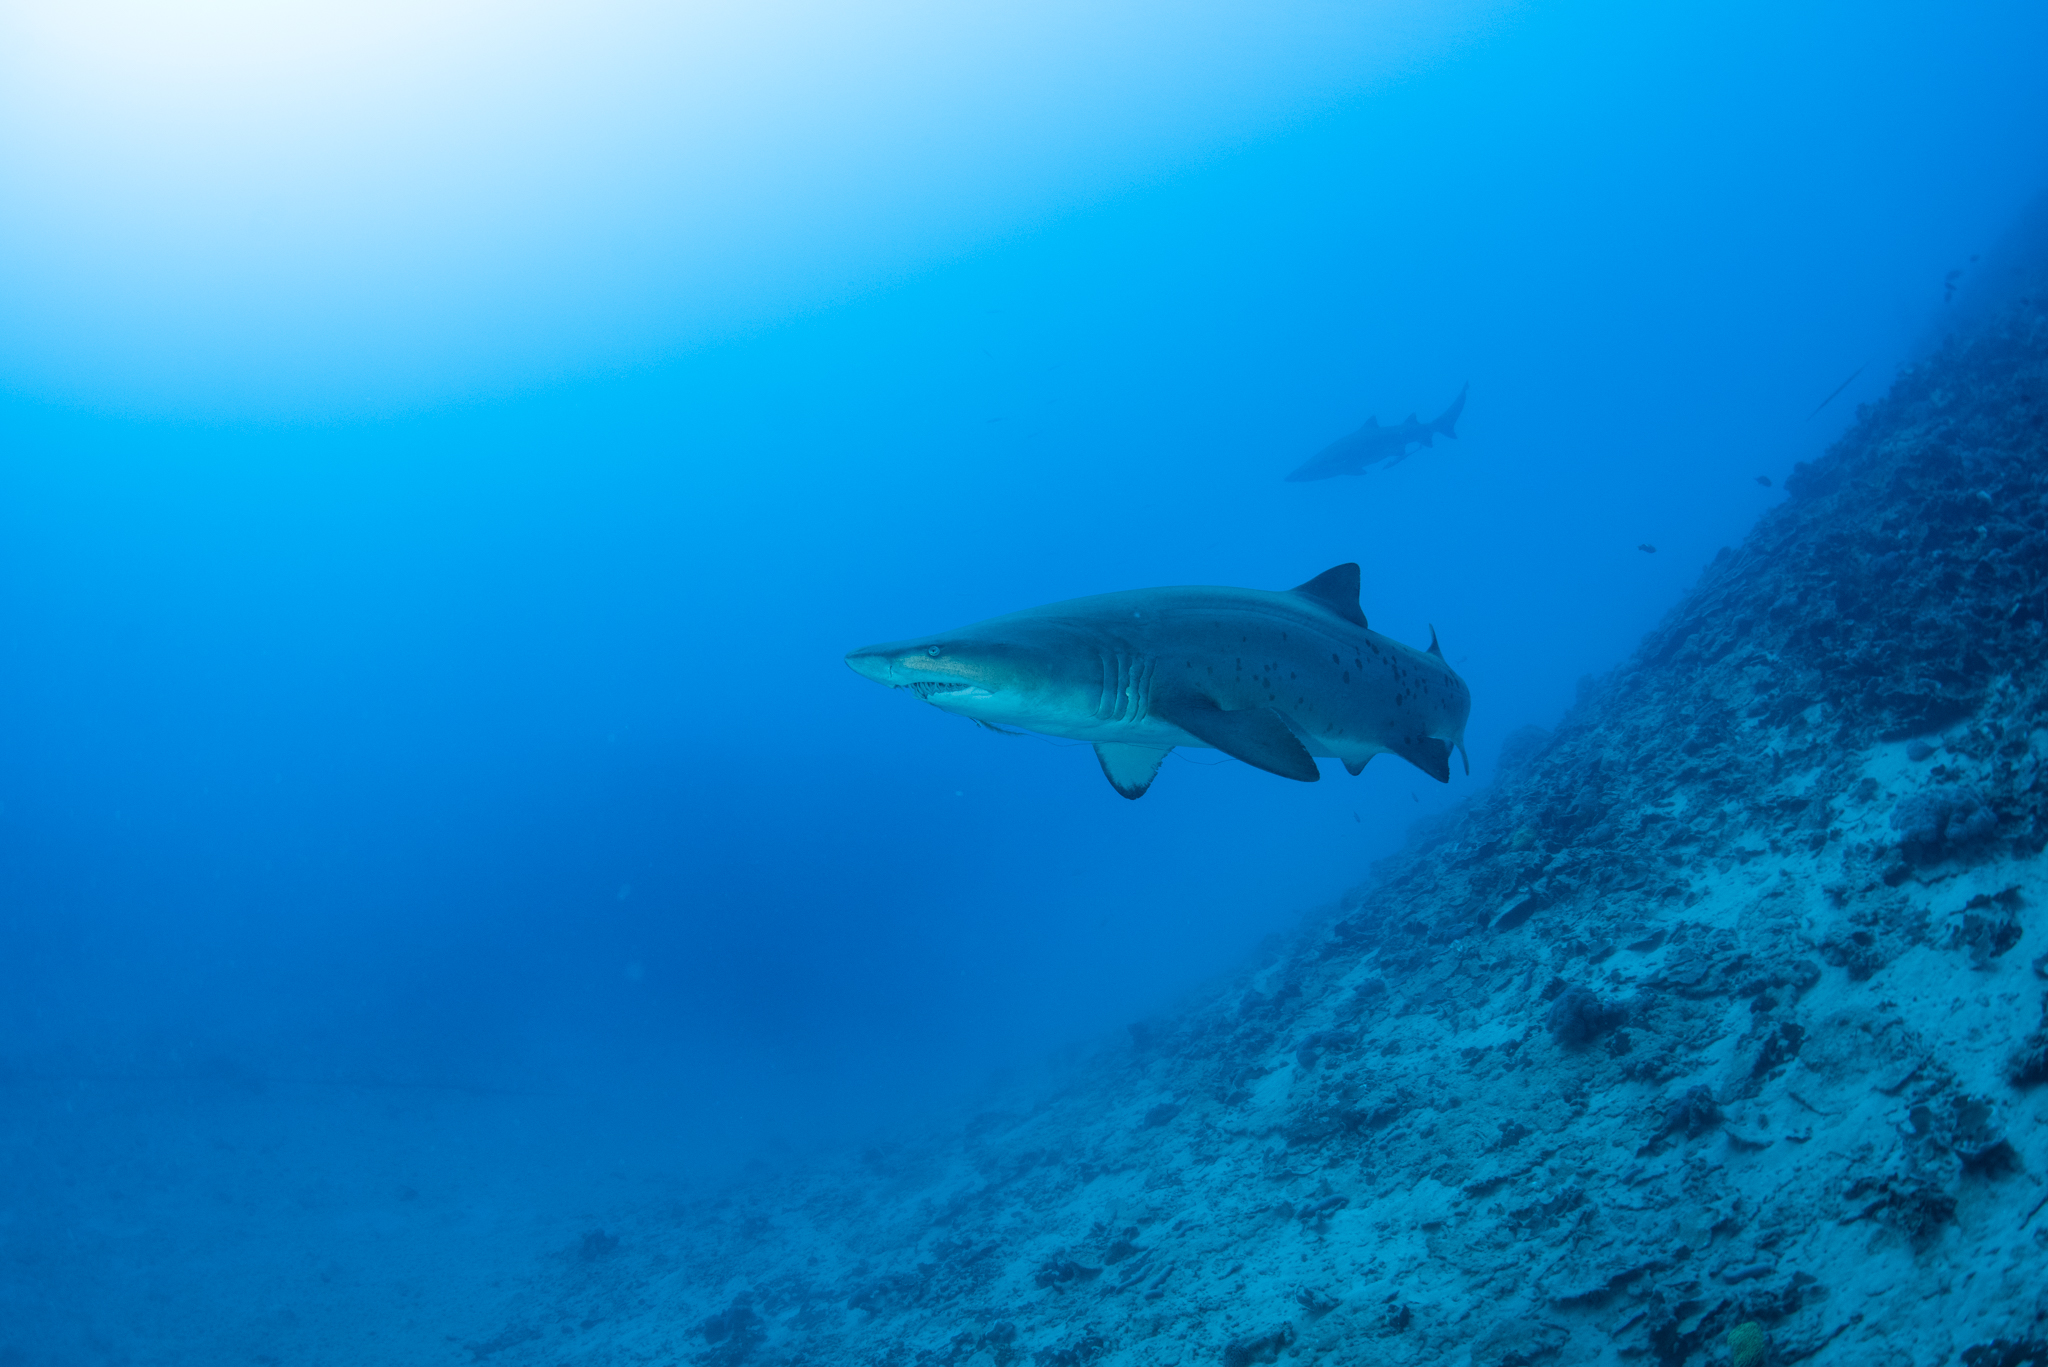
x=1269, y=678
x=1372, y=444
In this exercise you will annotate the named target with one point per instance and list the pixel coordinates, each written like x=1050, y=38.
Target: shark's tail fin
x=1456, y=742
x=1447, y=421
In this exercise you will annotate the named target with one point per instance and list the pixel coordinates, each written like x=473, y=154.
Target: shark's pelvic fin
x=1434, y=648
x=1427, y=753
x=1358, y=768
x=1336, y=588
x=1467, y=758
x=1255, y=735
x=1130, y=769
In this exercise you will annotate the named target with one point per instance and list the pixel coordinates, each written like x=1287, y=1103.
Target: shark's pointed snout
x=873, y=662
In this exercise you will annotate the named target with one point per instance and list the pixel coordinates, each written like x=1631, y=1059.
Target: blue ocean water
x=448, y=747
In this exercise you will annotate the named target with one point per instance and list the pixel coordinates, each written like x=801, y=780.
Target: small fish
x=1647, y=549
x=1764, y=480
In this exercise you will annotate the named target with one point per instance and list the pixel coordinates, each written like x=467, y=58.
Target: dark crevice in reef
x=1713, y=1032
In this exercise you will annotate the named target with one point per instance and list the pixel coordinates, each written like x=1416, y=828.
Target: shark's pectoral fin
x=1130, y=768
x=1427, y=753
x=1255, y=735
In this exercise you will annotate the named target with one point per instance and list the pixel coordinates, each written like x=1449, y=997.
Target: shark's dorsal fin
x=1336, y=589
x=1434, y=648
x=1130, y=769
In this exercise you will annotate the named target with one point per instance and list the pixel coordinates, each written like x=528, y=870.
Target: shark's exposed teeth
x=926, y=690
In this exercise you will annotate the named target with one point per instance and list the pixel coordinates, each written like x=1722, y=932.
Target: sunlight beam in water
x=291, y=209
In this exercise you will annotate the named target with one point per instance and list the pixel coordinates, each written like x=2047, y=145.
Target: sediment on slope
x=1712, y=1032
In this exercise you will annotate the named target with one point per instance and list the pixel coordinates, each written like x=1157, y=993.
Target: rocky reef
x=1712, y=1032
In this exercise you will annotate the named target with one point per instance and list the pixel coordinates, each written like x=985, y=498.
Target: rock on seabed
x=1722, y=1008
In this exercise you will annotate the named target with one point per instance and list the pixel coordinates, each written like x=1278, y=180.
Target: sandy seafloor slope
x=1712, y=1032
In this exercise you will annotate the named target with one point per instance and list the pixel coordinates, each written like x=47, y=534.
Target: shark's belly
x=1149, y=731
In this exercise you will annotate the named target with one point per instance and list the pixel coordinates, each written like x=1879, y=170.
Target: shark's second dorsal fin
x=1336, y=589
x=1434, y=648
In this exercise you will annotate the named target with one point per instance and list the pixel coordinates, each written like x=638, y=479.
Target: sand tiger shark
x=1273, y=679
x=1372, y=443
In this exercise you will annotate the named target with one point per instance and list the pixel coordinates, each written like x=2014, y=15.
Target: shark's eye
x=932, y=651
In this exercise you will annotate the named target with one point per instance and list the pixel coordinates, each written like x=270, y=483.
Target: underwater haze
x=445, y=457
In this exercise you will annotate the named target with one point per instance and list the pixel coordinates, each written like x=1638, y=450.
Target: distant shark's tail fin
x=1447, y=421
